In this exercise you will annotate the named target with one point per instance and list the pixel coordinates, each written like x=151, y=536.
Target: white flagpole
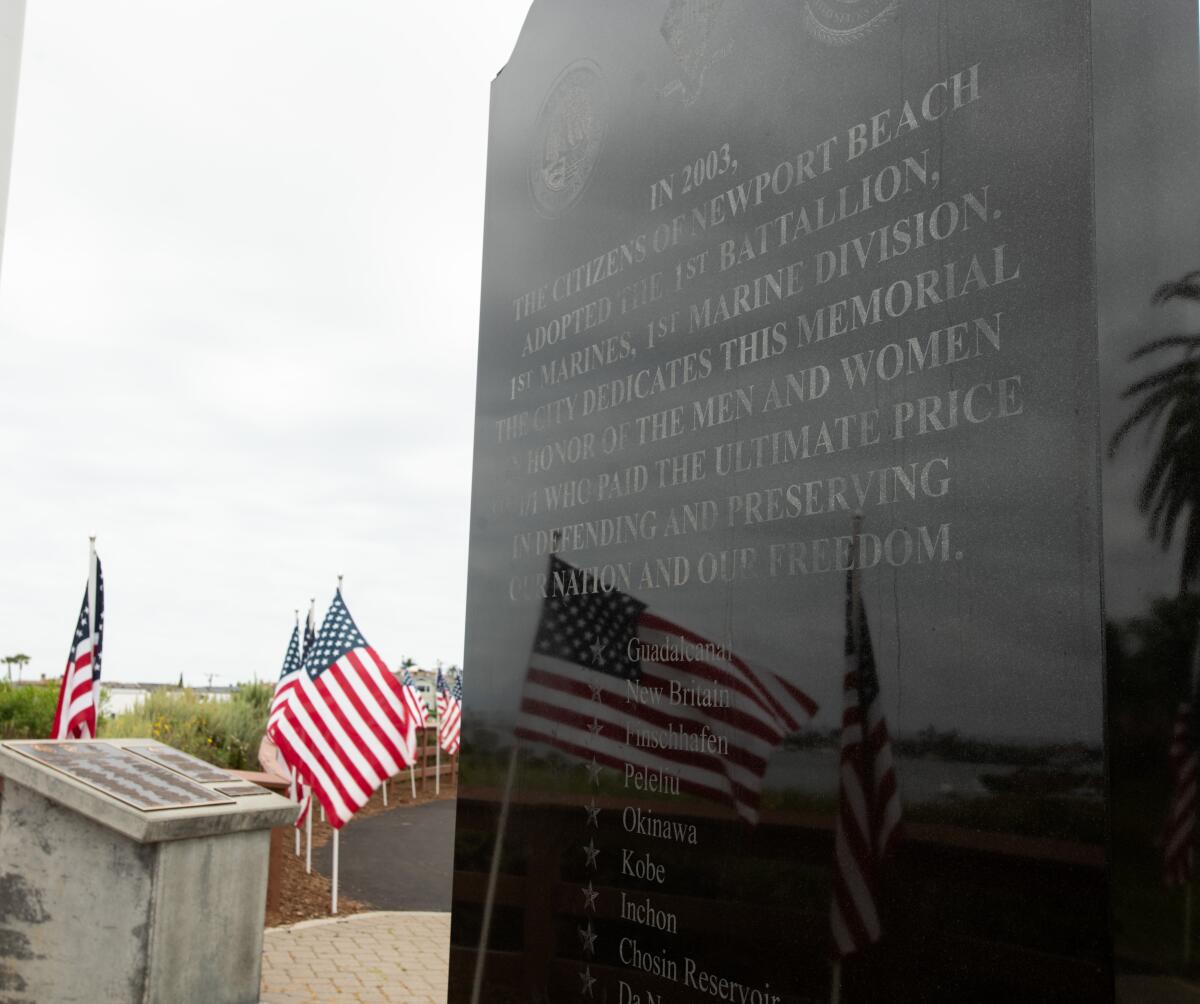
x=385, y=794
x=336, y=834
x=437, y=739
x=91, y=594
x=489, y=898
x=308, y=836
x=295, y=793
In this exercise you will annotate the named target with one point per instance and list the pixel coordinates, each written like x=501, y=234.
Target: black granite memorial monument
x=785, y=641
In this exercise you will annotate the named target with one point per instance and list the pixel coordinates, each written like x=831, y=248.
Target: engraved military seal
x=843, y=22
x=569, y=133
x=691, y=30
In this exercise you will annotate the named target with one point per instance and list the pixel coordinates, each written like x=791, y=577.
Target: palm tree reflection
x=1170, y=398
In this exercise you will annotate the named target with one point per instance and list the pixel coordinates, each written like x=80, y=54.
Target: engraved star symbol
x=593, y=811
x=592, y=851
x=587, y=938
x=589, y=896
x=597, y=648
x=588, y=980
x=595, y=728
x=597, y=692
x=593, y=770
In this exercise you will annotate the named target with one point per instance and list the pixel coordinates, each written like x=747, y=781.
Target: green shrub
x=27, y=712
x=256, y=696
x=225, y=733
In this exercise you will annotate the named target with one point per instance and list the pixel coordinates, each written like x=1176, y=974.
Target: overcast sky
x=238, y=322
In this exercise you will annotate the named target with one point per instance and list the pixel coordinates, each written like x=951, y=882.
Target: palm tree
x=1170, y=398
x=19, y=660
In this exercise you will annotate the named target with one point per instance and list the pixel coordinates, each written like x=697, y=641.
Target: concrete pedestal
x=100, y=902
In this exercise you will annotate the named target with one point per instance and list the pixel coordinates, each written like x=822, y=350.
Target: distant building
x=122, y=697
x=425, y=680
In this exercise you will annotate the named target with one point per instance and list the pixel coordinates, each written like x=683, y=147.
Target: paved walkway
x=400, y=860
x=401, y=958
x=369, y=958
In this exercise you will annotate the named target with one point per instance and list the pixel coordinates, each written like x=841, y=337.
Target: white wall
x=120, y=701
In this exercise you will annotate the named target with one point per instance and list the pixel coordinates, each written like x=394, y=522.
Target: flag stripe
x=364, y=748
x=310, y=764
x=704, y=768
x=341, y=719
x=388, y=711
x=413, y=700
x=577, y=707
x=322, y=727
x=607, y=678
x=281, y=692
x=603, y=754
x=732, y=672
x=1180, y=832
x=449, y=714
x=869, y=814
x=79, y=691
x=360, y=703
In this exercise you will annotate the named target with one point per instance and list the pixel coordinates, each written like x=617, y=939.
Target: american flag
x=1179, y=836
x=310, y=629
x=302, y=791
x=288, y=678
x=301, y=794
x=414, y=700
x=449, y=714
x=75, y=714
x=600, y=682
x=344, y=724
x=868, y=822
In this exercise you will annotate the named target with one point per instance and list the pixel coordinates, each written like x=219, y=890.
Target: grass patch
x=224, y=733
x=27, y=712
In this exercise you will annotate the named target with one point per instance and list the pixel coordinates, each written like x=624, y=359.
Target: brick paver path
x=401, y=958
x=372, y=958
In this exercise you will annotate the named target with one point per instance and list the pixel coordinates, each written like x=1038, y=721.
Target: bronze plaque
x=245, y=790
x=189, y=766
x=116, y=772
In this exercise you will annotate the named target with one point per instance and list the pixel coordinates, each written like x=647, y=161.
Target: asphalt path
x=398, y=860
